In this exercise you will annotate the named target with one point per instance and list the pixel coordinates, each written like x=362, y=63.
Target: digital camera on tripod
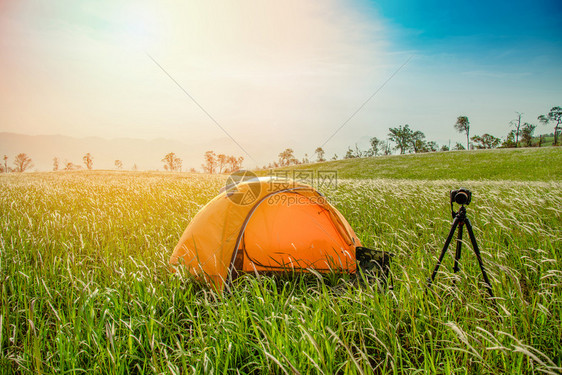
x=463, y=197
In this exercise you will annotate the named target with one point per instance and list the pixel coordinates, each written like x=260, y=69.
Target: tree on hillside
x=444, y=148
x=387, y=148
x=320, y=154
x=22, y=162
x=118, y=164
x=222, y=162
x=486, y=141
x=235, y=163
x=458, y=147
x=509, y=140
x=211, y=162
x=6, y=163
x=88, y=160
x=305, y=159
x=287, y=157
x=402, y=136
x=335, y=157
x=355, y=153
x=527, y=134
x=172, y=162
x=431, y=146
x=555, y=116
x=517, y=125
x=417, y=140
x=376, y=146
x=56, y=164
x=463, y=126
x=358, y=152
x=541, y=140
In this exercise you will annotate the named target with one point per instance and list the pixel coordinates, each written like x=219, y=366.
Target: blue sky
x=484, y=24
x=515, y=35
x=276, y=74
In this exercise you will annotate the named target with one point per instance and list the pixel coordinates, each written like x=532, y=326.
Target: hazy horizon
x=275, y=75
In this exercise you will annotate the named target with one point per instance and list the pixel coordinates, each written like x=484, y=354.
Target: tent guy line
x=367, y=101
x=200, y=107
x=239, y=145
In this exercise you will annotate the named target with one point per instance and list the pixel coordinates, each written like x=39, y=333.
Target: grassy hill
x=521, y=164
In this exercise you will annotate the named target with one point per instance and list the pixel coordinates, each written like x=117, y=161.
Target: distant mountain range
x=146, y=154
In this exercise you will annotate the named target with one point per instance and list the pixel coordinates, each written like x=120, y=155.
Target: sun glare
x=136, y=26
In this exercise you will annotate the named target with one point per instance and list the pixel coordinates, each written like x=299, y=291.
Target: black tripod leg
x=458, y=251
x=447, y=242
x=479, y=257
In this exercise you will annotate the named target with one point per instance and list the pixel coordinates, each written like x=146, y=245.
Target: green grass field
x=520, y=164
x=85, y=286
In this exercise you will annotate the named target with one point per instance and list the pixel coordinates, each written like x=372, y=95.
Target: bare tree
x=55, y=164
x=118, y=164
x=463, y=126
x=320, y=154
x=22, y=162
x=172, y=162
x=555, y=115
x=210, y=162
x=517, y=125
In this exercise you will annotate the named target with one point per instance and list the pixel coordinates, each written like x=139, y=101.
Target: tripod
x=459, y=220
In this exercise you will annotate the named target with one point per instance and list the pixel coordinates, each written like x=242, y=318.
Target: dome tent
x=266, y=224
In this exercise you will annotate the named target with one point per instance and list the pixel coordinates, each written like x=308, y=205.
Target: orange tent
x=264, y=224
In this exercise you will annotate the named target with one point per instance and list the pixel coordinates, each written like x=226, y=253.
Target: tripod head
x=461, y=196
